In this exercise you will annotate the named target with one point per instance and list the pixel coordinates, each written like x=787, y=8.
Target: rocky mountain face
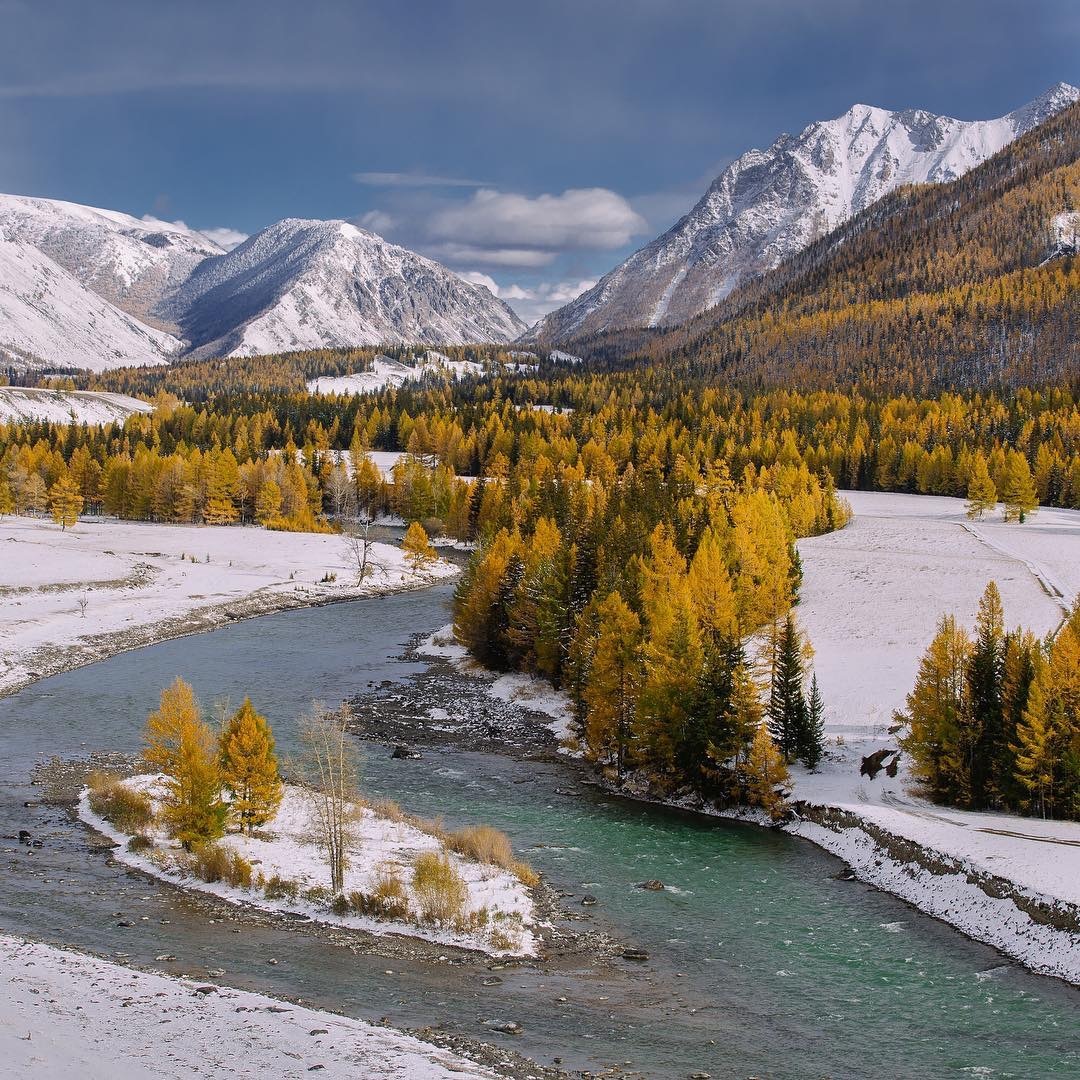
x=94, y=289
x=770, y=204
x=309, y=284
x=132, y=263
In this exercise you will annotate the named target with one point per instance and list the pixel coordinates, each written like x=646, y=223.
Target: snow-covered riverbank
x=496, y=911
x=68, y=598
x=67, y=1014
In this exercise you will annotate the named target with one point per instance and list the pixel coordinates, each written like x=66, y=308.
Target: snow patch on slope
x=19, y=404
x=48, y=318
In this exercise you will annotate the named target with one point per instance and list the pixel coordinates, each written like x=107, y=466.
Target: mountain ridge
x=769, y=204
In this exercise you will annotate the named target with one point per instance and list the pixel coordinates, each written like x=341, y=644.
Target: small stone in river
x=635, y=954
x=125, y=923
x=587, y=900
x=653, y=885
x=507, y=1027
x=491, y=980
x=271, y=961
x=165, y=958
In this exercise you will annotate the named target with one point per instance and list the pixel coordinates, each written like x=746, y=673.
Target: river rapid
x=763, y=962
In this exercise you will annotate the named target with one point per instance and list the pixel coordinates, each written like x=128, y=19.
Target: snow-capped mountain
x=310, y=284
x=49, y=318
x=770, y=204
x=131, y=262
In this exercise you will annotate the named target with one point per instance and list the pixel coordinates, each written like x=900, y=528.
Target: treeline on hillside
x=204, y=380
x=993, y=721
x=185, y=460
x=954, y=285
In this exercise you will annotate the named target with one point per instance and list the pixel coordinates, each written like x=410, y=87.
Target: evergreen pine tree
x=787, y=716
x=814, y=744
x=984, y=727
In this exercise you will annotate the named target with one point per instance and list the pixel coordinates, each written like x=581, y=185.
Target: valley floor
x=66, y=1014
x=71, y=597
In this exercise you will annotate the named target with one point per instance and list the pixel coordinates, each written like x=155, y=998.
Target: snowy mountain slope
x=770, y=204
x=311, y=284
x=18, y=403
x=48, y=318
x=132, y=263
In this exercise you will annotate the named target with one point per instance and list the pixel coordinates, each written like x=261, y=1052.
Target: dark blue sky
x=535, y=143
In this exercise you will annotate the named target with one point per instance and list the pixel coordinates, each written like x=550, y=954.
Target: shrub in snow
x=439, y=889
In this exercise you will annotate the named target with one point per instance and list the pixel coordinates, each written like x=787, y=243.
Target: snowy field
x=872, y=596
x=386, y=371
x=63, y=1014
x=145, y=582
x=67, y=406
x=285, y=848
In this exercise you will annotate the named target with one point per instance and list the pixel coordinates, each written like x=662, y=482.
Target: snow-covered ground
x=387, y=371
x=64, y=1014
x=285, y=848
x=145, y=582
x=871, y=598
x=19, y=403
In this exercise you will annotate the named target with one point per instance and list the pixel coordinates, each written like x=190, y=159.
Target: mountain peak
x=770, y=204
x=1060, y=96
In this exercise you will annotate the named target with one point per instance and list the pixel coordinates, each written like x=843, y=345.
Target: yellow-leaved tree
x=249, y=768
x=65, y=502
x=183, y=747
x=419, y=553
x=767, y=779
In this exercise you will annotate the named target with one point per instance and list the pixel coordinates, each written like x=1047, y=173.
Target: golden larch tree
x=249, y=768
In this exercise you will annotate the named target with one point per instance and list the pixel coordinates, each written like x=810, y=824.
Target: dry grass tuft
x=439, y=889
x=129, y=810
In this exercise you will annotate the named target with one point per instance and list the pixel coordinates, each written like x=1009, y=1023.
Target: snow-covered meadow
x=386, y=371
x=871, y=598
x=497, y=905
x=70, y=597
x=67, y=1014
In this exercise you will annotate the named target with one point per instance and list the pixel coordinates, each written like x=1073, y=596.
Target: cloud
x=377, y=221
x=459, y=254
x=578, y=219
x=225, y=237
x=413, y=180
x=531, y=302
x=474, y=277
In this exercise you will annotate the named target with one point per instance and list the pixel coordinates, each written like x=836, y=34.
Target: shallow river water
x=762, y=961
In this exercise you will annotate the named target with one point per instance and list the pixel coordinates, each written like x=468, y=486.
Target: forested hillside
x=964, y=285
